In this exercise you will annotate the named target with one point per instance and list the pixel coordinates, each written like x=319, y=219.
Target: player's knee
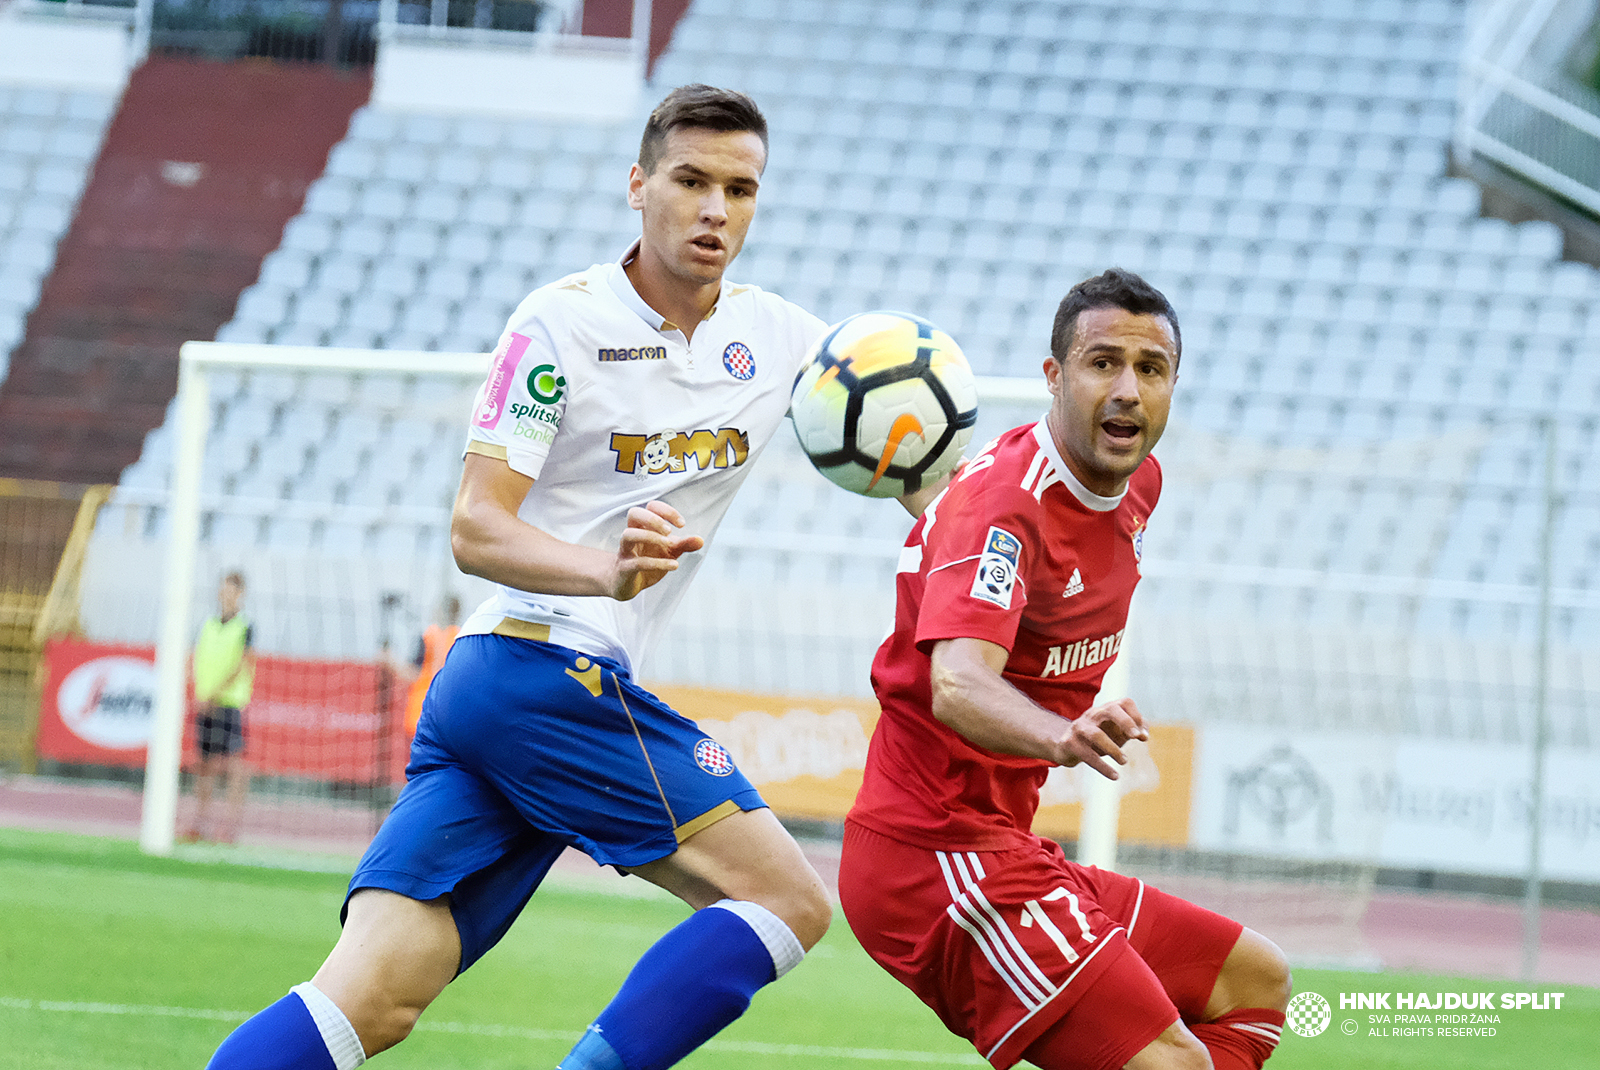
x=810, y=915
x=388, y=1027
x=1263, y=975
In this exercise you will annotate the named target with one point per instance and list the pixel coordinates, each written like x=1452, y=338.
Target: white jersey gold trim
x=599, y=435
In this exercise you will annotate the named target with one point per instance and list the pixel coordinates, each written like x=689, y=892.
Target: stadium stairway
x=201, y=168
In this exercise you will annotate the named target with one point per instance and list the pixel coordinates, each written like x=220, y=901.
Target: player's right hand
x=651, y=546
x=1098, y=735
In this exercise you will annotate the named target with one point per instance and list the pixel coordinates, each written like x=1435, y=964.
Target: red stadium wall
x=201, y=168
x=614, y=18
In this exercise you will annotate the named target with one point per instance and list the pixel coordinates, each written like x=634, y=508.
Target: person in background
x=432, y=646
x=224, y=669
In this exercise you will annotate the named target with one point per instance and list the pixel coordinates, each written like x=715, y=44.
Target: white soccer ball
x=884, y=403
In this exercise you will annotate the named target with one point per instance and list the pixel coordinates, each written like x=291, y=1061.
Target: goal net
x=1350, y=626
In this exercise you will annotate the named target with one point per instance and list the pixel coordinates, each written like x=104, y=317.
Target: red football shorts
x=1005, y=944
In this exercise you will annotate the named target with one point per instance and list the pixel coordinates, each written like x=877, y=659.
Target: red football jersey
x=1020, y=553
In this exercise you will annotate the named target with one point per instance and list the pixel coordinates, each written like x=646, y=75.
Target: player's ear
x=636, y=177
x=1052, y=374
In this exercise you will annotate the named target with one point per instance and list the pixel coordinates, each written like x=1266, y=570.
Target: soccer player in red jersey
x=1012, y=598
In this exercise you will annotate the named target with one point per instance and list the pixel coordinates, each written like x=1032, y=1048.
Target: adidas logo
x=1074, y=585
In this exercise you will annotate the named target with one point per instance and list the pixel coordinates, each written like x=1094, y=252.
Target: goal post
x=196, y=361
x=1102, y=798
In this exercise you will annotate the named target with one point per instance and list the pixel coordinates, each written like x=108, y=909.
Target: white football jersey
x=606, y=406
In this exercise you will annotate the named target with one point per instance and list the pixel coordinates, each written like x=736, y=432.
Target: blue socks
x=693, y=982
x=302, y=1031
x=282, y=1037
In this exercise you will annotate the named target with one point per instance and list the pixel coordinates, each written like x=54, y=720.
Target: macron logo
x=1074, y=585
x=634, y=353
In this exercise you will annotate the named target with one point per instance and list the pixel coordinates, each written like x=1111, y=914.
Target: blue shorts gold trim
x=523, y=749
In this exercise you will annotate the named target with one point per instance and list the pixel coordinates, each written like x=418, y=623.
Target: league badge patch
x=739, y=361
x=506, y=358
x=713, y=757
x=997, y=568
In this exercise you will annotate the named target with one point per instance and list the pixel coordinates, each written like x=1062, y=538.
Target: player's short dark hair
x=707, y=106
x=1115, y=288
x=234, y=577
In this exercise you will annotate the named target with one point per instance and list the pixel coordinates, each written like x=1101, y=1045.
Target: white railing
x=1541, y=131
x=565, y=34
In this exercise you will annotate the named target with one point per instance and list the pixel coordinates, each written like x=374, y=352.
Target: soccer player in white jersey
x=624, y=407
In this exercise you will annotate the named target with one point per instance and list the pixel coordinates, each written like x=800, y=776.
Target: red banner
x=327, y=720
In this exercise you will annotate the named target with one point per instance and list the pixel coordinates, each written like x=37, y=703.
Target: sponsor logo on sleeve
x=506, y=358
x=997, y=568
x=536, y=423
x=739, y=361
x=545, y=386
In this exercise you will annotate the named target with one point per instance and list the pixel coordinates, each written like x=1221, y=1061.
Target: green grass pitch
x=110, y=960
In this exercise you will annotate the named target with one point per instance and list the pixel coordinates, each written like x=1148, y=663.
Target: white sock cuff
x=780, y=940
x=337, y=1032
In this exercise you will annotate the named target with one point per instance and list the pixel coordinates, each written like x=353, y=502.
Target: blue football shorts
x=523, y=749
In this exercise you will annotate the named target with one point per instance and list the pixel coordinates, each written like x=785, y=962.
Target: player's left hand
x=1099, y=734
x=651, y=546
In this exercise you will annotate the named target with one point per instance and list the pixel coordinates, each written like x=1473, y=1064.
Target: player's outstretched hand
x=651, y=546
x=1099, y=734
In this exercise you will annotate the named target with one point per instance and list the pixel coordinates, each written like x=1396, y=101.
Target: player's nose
x=714, y=206
x=1125, y=386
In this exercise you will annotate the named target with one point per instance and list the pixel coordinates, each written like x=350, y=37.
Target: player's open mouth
x=711, y=245
x=1119, y=430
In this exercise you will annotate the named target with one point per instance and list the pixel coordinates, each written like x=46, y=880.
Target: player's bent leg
x=747, y=856
x=393, y=958
x=1245, y=1013
x=758, y=907
x=1123, y=1018
x=1230, y=983
x=1255, y=974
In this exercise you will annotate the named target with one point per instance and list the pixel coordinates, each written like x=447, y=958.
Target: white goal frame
x=191, y=415
x=163, y=759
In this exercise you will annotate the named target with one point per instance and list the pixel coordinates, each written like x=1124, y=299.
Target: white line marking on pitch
x=746, y=1047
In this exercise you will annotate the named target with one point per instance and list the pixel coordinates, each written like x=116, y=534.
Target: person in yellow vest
x=224, y=669
x=431, y=649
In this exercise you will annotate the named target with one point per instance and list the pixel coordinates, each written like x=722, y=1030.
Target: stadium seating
x=1277, y=168
x=49, y=139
